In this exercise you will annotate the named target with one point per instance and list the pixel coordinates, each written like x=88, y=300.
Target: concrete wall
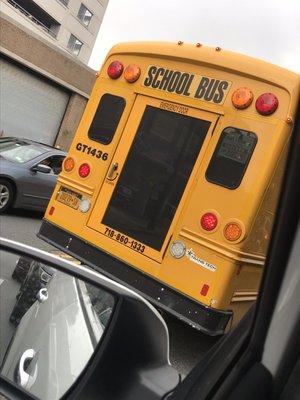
x=71, y=121
x=39, y=55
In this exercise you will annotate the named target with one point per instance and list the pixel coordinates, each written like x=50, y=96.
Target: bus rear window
x=231, y=157
x=106, y=119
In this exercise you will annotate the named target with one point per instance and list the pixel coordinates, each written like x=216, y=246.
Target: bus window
x=107, y=118
x=231, y=157
x=155, y=175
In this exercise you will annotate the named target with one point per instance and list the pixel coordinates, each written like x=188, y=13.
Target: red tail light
x=115, y=69
x=209, y=221
x=84, y=170
x=266, y=104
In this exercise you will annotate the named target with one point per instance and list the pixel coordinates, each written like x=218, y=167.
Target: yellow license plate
x=69, y=198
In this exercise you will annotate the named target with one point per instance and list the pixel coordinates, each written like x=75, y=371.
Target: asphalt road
x=187, y=345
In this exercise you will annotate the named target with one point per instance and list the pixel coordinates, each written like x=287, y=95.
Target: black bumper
x=208, y=320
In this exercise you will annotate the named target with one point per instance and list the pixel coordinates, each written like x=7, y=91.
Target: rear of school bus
x=171, y=182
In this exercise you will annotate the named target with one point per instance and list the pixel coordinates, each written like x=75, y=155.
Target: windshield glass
x=19, y=151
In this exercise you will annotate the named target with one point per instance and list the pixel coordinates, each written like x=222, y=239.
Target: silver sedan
x=28, y=173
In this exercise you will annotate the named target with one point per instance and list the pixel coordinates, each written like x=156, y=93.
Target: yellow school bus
x=171, y=182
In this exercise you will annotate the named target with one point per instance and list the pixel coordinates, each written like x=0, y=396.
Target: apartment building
x=72, y=25
x=43, y=88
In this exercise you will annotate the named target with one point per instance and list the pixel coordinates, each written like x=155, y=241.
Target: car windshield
x=19, y=151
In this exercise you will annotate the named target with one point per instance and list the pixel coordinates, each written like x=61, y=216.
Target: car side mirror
x=87, y=334
x=45, y=169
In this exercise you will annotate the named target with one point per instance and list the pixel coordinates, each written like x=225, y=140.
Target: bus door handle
x=112, y=170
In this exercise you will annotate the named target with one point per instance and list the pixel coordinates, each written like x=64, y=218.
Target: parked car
x=28, y=173
x=34, y=276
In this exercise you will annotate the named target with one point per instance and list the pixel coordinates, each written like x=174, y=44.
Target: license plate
x=69, y=198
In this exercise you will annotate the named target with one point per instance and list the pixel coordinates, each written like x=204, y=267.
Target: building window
x=64, y=2
x=74, y=45
x=84, y=15
x=36, y=15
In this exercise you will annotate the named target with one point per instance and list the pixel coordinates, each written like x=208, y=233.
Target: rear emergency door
x=150, y=175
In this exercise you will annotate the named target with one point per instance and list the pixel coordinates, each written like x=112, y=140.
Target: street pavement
x=187, y=345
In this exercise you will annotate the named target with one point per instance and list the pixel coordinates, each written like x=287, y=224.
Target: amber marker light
x=69, y=164
x=115, y=69
x=232, y=231
x=132, y=73
x=242, y=98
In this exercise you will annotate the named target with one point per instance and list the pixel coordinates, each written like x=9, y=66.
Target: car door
x=37, y=187
x=150, y=176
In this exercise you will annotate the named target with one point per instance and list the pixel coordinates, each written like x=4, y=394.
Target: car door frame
x=38, y=200
x=218, y=377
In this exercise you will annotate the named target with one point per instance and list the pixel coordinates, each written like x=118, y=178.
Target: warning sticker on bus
x=190, y=85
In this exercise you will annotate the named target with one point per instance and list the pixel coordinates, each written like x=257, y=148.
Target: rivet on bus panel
x=198, y=44
x=289, y=120
x=97, y=74
x=218, y=48
x=180, y=43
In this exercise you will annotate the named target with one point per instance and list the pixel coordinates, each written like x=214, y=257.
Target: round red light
x=266, y=104
x=209, y=221
x=115, y=69
x=84, y=170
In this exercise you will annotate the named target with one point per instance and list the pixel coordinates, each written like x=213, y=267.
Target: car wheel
x=6, y=195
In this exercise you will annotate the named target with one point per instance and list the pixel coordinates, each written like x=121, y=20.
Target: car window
x=19, y=151
x=102, y=303
x=54, y=162
x=51, y=325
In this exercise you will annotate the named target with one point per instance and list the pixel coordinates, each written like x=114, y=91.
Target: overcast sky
x=267, y=29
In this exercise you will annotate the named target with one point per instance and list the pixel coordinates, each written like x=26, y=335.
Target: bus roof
x=218, y=58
